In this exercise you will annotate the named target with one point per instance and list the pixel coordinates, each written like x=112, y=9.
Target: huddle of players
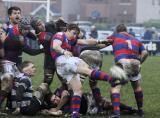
x=58, y=57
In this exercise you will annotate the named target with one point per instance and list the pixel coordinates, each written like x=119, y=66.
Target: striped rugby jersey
x=126, y=46
x=66, y=44
x=25, y=100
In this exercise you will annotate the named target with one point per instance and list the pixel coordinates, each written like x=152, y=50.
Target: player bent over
x=129, y=54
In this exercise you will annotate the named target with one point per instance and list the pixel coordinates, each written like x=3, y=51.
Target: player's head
x=121, y=28
x=55, y=100
x=61, y=25
x=38, y=25
x=24, y=26
x=14, y=14
x=28, y=68
x=72, y=31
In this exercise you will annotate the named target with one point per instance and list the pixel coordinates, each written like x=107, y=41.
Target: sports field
x=150, y=83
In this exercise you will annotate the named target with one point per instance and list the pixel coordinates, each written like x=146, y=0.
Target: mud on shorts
x=67, y=67
x=9, y=67
x=132, y=68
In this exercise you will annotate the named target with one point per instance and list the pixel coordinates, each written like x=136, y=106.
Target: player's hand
x=106, y=42
x=115, y=81
x=53, y=109
x=68, y=53
x=16, y=111
x=2, y=35
x=55, y=113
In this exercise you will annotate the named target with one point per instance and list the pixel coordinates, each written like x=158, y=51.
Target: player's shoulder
x=59, y=35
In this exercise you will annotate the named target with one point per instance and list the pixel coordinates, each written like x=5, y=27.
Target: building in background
x=115, y=11
x=127, y=11
x=147, y=10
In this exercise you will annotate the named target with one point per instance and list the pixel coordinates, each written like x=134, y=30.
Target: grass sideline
x=150, y=83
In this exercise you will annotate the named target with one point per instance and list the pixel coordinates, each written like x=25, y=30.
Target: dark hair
x=24, y=24
x=73, y=27
x=61, y=25
x=24, y=64
x=121, y=28
x=34, y=21
x=13, y=8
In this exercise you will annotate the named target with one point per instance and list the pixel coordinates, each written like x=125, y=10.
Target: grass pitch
x=150, y=83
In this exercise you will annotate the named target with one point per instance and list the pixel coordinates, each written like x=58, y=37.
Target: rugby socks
x=115, y=97
x=3, y=95
x=76, y=101
x=98, y=75
x=97, y=94
x=139, y=99
x=67, y=108
x=98, y=98
x=125, y=107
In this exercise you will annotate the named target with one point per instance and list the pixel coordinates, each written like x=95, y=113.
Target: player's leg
x=49, y=69
x=83, y=68
x=76, y=86
x=96, y=94
x=94, y=62
x=116, y=77
x=7, y=79
x=138, y=92
x=48, y=76
x=115, y=99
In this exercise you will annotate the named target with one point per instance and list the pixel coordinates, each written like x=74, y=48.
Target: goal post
x=35, y=1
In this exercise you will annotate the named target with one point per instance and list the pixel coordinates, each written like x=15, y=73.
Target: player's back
x=126, y=46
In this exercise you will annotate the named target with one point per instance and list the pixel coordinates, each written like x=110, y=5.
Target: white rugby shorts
x=67, y=67
x=132, y=68
x=9, y=67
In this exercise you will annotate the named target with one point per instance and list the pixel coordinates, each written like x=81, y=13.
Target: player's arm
x=143, y=56
x=87, y=41
x=2, y=39
x=104, y=43
x=31, y=35
x=1, y=50
x=31, y=51
x=143, y=53
x=64, y=99
x=93, y=41
x=56, y=45
x=1, y=53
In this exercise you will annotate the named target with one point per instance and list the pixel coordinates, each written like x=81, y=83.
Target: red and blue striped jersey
x=66, y=44
x=126, y=46
x=13, y=33
x=13, y=45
